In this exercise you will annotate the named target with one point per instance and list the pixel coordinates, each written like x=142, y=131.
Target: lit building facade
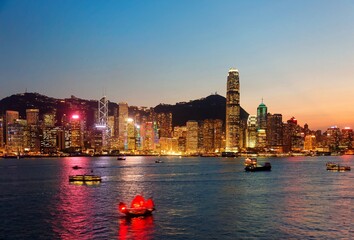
x=76, y=131
x=2, y=140
x=131, y=135
x=233, y=111
x=32, y=116
x=212, y=135
x=310, y=143
x=262, y=126
x=192, y=137
x=10, y=118
x=275, y=132
x=147, y=134
x=122, y=125
x=251, y=138
x=333, y=138
x=347, y=138
x=16, y=133
x=164, y=124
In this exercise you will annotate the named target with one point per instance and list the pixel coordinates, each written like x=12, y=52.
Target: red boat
x=138, y=207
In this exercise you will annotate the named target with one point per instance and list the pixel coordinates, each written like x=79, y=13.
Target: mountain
x=22, y=101
x=211, y=107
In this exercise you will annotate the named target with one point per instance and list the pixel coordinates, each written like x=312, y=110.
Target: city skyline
x=291, y=54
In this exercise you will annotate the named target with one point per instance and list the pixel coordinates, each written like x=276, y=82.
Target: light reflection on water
x=196, y=198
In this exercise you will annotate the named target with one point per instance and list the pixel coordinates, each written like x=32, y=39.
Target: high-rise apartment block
x=233, y=111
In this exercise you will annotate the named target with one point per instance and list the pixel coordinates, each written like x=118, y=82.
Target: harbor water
x=195, y=198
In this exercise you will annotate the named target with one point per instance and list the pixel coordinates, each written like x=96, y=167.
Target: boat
x=158, y=161
x=331, y=166
x=121, y=158
x=76, y=167
x=138, y=207
x=85, y=178
x=252, y=165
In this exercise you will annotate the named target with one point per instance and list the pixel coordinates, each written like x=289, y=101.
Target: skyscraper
x=251, y=131
x=10, y=118
x=233, y=111
x=32, y=116
x=192, y=137
x=262, y=125
x=122, y=124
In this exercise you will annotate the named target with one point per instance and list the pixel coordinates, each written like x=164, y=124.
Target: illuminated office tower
x=251, y=136
x=292, y=139
x=212, y=135
x=50, y=140
x=33, y=131
x=122, y=125
x=347, y=138
x=333, y=138
x=131, y=138
x=218, y=135
x=275, y=131
x=2, y=140
x=49, y=119
x=181, y=134
x=233, y=111
x=76, y=131
x=192, y=137
x=102, y=130
x=262, y=125
x=32, y=116
x=147, y=136
x=111, y=125
x=16, y=136
x=310, y=143
x=208, y=136
x=10, y=118
x=164, y=123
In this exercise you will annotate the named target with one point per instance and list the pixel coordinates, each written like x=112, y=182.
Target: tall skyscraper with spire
x=233, y=111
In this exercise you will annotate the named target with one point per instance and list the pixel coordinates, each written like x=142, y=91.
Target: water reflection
x=136, y=228
x=72, y=207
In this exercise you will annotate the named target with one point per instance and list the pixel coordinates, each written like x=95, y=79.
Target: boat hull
x=257, y=169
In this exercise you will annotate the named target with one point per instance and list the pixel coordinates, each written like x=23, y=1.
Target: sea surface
x=195, y=198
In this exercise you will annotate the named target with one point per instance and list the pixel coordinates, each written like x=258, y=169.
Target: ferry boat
x=336, y=167
x=252, y=165
x=85, y=178
x=138, y=207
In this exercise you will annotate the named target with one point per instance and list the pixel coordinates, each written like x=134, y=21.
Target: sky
x=298, y=55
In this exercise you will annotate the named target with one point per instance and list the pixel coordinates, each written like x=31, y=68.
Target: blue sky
x=297, y=55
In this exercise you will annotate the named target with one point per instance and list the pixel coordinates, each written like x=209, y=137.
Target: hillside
x=211, y=107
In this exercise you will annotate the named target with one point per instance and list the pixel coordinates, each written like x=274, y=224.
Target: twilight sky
x=297, y=55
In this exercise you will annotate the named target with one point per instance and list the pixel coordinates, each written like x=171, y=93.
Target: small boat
x=336, y=167
x=158, y=161
x=121, y=158
x=76, y=167
x=84, y=178
x=138, y=207
x=252, y=165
